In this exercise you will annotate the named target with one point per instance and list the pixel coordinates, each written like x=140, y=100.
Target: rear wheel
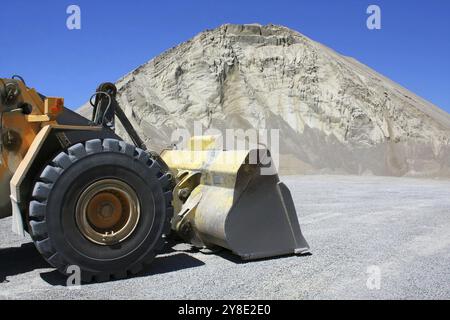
x=104, y=206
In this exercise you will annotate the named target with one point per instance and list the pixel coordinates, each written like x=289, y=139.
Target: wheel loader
x=89, y=199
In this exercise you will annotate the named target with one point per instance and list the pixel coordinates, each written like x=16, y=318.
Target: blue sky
x=412, y=48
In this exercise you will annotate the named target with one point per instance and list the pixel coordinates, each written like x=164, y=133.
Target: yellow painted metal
x=27, y=134
x=17, y=124
x=28, y=160
x=202, y=169
x=37, y=118
x=202, y=143
x=224, y=198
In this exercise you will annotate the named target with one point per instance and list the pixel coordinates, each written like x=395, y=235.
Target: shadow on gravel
x=15, y=261
x=161, y=265
x=223, y=253
x=175, y=262
x=227, y=255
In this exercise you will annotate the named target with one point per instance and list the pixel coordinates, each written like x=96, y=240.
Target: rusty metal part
x=108, y=212
x=11, y=140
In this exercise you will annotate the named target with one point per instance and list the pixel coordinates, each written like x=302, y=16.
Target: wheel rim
x=107, y=212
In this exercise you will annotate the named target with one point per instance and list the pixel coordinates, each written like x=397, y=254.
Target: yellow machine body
x=18, y=134
x=23, y=140
x=233, y=199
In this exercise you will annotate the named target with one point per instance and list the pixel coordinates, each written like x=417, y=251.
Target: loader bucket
x=234, y=200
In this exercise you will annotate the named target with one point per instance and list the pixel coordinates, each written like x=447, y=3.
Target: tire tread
x=49, y=176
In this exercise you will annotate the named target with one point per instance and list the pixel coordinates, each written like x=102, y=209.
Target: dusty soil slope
x=335, y=115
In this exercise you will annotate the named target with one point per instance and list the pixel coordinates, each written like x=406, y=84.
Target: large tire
x=54, y=210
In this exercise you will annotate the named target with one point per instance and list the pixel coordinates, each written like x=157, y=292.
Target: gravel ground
x=397, y=226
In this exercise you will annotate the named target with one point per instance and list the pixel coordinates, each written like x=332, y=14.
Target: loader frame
x=39, y=153
x=232, y=199
x=51, y=128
